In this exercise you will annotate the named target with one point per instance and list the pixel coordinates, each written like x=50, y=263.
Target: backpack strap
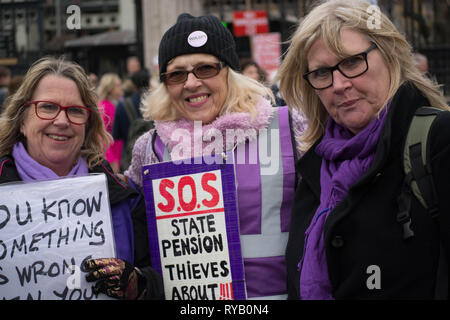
x=416, y=159
x=419, y=182
x=416, y=165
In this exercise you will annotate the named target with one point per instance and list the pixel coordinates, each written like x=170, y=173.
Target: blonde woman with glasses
x=201, y=87
x=351, y=235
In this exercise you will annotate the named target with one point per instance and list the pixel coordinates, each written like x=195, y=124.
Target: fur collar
x=184, y=136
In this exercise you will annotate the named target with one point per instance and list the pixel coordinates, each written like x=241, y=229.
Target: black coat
x=117, y=192
x=362, y=230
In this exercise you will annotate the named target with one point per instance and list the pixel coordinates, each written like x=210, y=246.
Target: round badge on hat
x=197, y=39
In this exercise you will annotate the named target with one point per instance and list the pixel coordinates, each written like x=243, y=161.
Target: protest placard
x=47, y=230
x=193, y=229
x=267, y=52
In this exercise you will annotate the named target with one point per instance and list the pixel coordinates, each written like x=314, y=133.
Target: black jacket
x=362, y=230
x=121, y=125
x=117, y=192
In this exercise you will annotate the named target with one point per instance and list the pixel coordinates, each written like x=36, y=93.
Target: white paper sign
x=47, y=230
x=193, y=239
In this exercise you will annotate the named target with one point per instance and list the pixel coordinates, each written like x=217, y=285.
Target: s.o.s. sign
x=193, y=230
x=189, y=195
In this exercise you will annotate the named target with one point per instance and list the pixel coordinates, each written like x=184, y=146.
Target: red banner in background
x=250, y=22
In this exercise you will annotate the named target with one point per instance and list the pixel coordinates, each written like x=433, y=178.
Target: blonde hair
x=243, y=95
x=326, y=21
x=106, y=85
x=96, y=137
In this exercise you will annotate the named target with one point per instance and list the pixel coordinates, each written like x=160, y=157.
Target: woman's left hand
x=116, y=278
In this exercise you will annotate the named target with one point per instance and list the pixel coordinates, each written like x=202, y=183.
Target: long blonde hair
x=106, y=85
x=96, y=138
x=326, y=21
x=243, y=95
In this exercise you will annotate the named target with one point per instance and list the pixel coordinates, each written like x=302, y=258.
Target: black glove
x=116, y=278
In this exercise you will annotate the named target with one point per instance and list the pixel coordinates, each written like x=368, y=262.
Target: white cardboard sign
x=47, y=230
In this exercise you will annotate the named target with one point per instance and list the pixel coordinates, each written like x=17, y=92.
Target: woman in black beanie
x=200, y=81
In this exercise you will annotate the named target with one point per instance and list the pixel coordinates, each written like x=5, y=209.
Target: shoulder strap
x=416, y=162
x=8, y=170
x=153, y=146
x=417, y=167
x=294, y=143
x=130, y=110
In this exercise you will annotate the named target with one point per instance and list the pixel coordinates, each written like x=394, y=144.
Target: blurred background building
x=101, y=34
x=30, y=29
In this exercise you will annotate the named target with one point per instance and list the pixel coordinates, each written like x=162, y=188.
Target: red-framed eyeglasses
x=49, y=110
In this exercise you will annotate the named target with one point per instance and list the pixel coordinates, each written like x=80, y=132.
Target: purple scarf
x=30, y=170
x=346, y=157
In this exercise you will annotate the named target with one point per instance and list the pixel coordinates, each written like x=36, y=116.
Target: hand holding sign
x=116, y=278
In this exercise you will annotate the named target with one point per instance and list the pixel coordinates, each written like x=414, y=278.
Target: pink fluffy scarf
x=184, y=134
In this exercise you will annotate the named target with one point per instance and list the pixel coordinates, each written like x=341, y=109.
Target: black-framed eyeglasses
x=49, y=110
x=350, y=67
x=202, y=71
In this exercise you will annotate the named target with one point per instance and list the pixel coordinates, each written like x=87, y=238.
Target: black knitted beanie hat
x=205, y=34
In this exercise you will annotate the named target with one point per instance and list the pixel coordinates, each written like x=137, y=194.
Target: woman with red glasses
x=202, y=89
x=357, y=230
x=52, y=128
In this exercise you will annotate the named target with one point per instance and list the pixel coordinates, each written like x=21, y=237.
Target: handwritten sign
x=193, y=229
x=47, y=230
x=267, y=51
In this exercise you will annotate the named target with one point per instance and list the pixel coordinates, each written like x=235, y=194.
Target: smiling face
x=198, y=99
x=55, y=143
x=352, y=103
